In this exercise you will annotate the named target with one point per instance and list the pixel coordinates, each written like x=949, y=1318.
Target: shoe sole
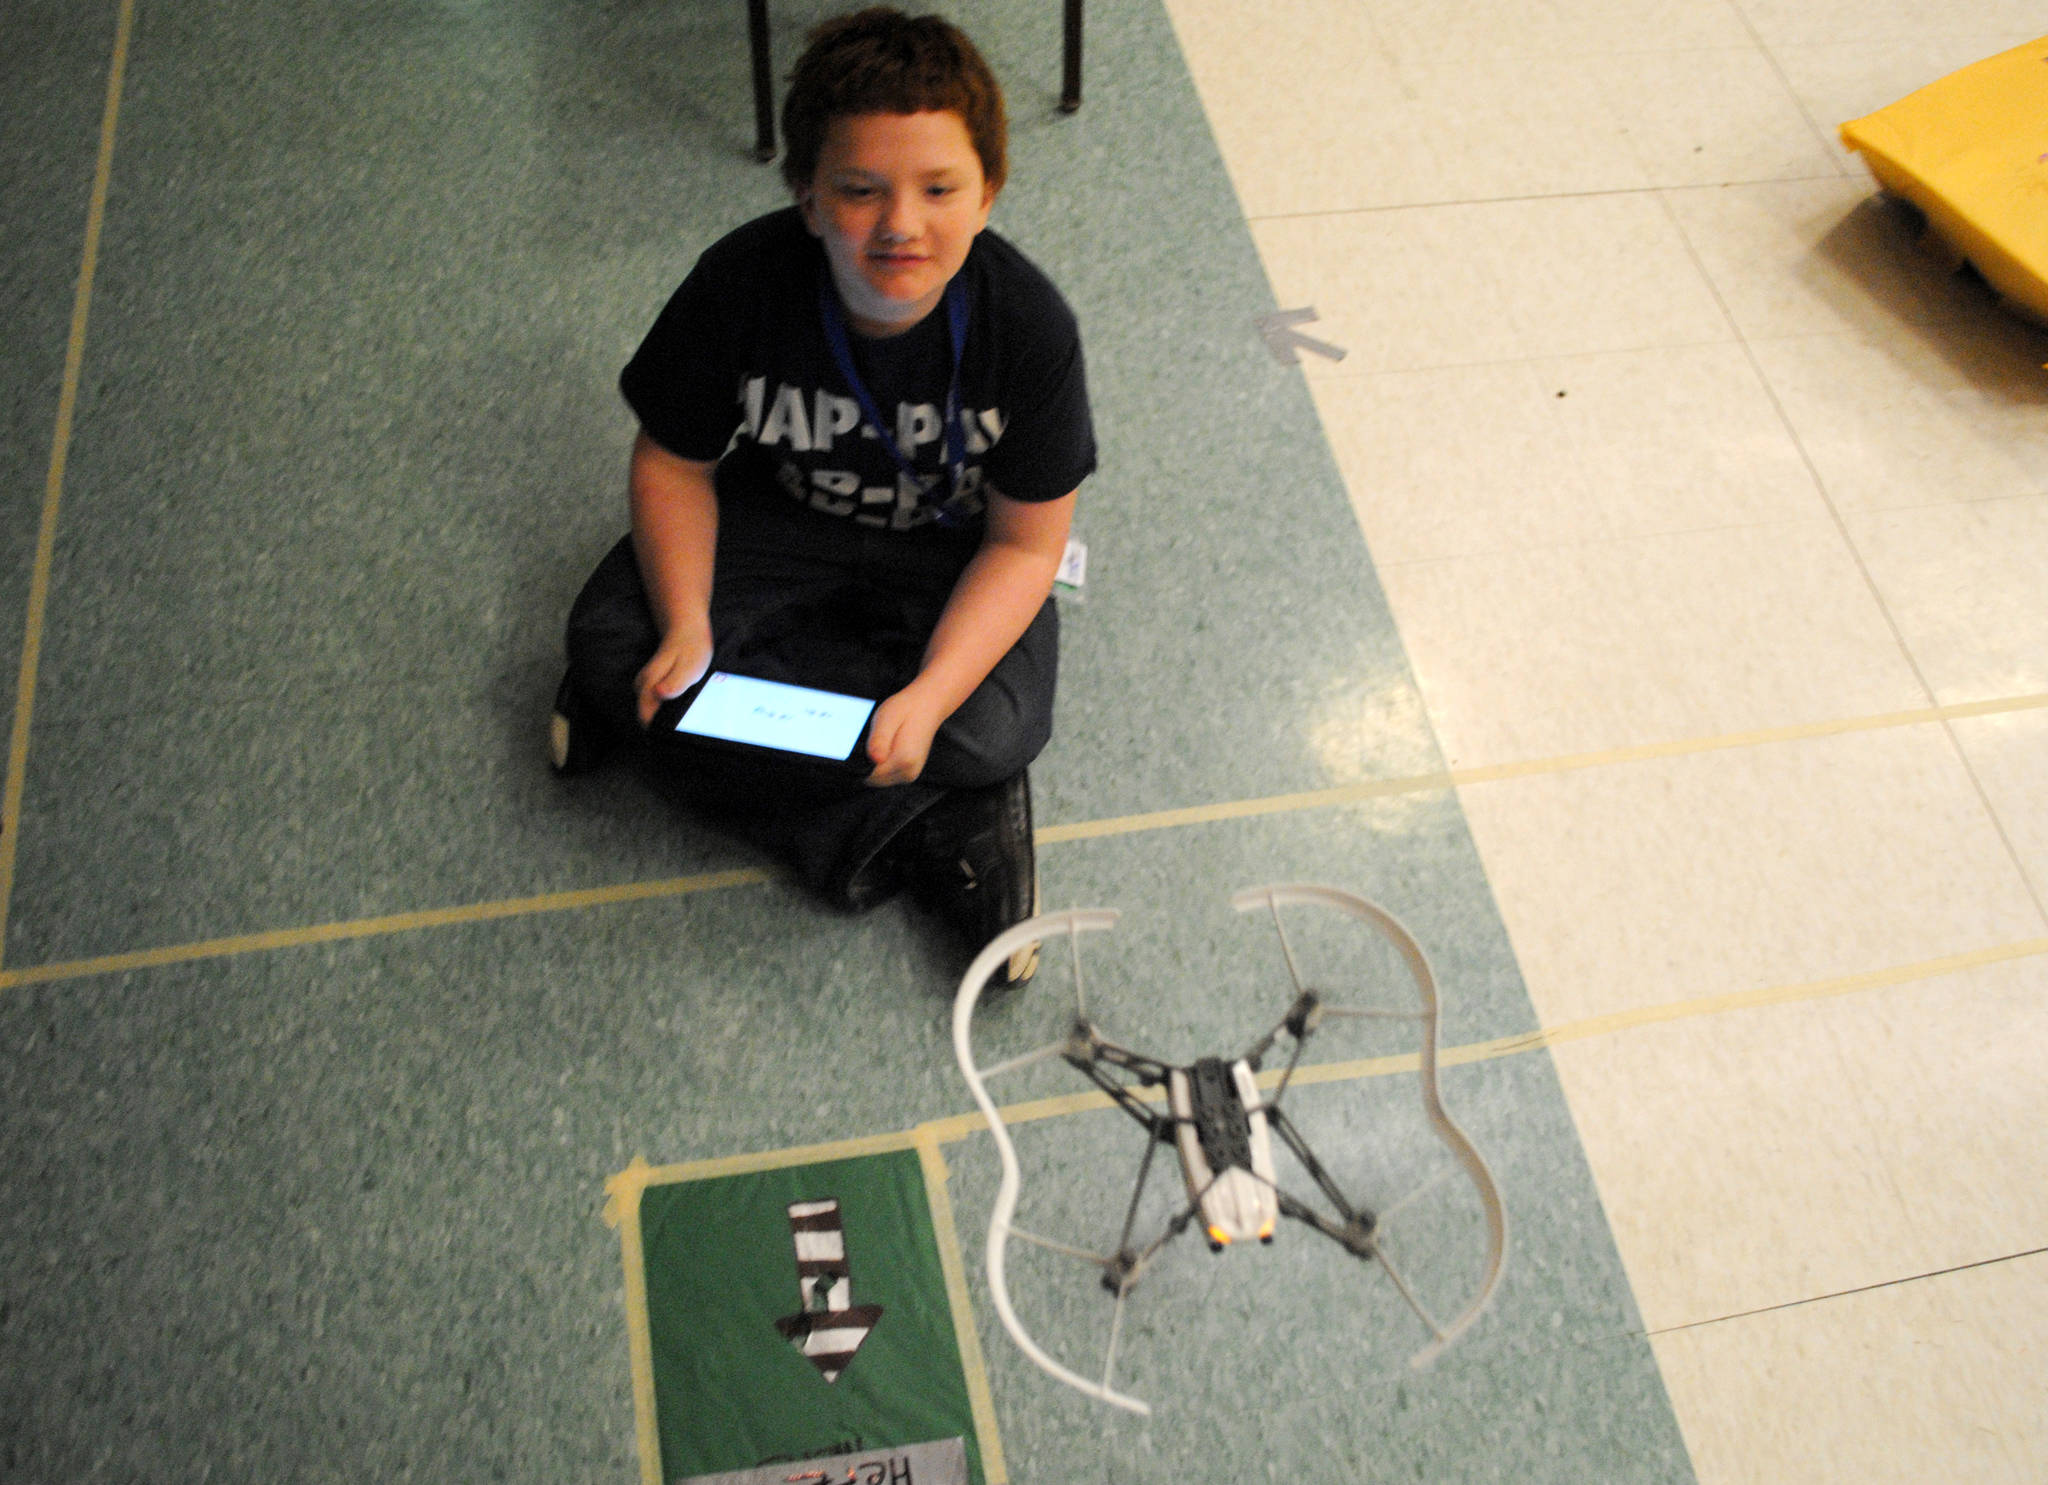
x=1023, y=964
x=575, y=745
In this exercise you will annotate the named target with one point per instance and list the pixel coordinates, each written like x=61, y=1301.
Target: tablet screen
x=769, y=714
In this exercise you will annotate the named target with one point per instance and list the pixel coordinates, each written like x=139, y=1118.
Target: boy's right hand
x=680, y=663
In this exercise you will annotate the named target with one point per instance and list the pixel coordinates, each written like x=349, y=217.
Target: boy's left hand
x=901, y=738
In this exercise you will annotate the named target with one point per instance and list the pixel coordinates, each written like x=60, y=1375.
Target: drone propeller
x=1453, y=1138
x=998, y=951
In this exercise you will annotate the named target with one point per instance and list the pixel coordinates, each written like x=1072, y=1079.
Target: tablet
x=748, y=712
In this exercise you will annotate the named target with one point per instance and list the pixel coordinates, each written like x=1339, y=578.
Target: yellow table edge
x=1995, y=235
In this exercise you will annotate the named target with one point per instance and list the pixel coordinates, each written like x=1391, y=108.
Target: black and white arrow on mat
x=830, y=1327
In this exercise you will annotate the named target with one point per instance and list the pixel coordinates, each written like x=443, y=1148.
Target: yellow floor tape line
x=53, y=484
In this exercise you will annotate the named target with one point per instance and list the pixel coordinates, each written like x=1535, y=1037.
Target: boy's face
x=897, y=200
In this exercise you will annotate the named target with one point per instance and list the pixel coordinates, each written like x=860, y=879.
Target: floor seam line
x=1262, y=807
x=1647, y=190
x=1794, y=1304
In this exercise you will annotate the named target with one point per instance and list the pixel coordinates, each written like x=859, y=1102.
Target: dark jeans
x=812, y=601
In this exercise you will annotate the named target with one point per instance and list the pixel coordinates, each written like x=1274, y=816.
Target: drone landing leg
x=1057, y=1247
x=1418, y=1193
x=1354, y=1217
x=1357, y=1237
x=1287, y=1074
x=1121, y=1271
x=1130, y=1265
x=1119, y=1093
x=1401, y=1286
x=1116, y=1333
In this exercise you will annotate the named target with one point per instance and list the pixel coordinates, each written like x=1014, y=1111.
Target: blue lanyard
x=834, y=321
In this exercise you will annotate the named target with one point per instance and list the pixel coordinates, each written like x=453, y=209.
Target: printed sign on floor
x=941, y=1463
x=797, y=1325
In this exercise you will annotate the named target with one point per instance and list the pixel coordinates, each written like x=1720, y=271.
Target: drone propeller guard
x=1228, y=1102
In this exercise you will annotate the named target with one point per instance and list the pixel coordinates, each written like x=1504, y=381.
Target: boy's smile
x=897, y=200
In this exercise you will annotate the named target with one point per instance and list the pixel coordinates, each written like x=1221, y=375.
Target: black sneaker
x=576, y=744
x=977, y=870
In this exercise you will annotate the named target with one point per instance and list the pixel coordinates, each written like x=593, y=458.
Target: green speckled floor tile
x=347, y=443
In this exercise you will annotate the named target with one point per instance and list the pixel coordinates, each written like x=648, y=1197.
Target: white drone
x=1223, y=1129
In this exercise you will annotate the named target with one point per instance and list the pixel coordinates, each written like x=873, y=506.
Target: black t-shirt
x=738, y=368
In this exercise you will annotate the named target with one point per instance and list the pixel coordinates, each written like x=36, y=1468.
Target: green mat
x=801, y=1317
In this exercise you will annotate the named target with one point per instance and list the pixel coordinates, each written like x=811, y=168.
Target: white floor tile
x=1734, y=1163
x=1288, y=91
x=2009, y=755
x=1952, y=1091
x=1833, y=22
x=1439, y=35
x=1650, y=640
x=1965, y=584
x=1316, y=112
x=1455, y=462
x=1706, y=117
x=1769, y=1156
x=1599, y=273
x=1850, y=79
x=1418, y=287
x=2001, y=359
x=1451, y=32
x=1486, y=460
x=1398, y=289
x=1894, y=422
x=1653, y=883
x=1684, y=438
x=1817, y=258
x=1936, y=1379
x=1508, y=127
x=2000, y=1310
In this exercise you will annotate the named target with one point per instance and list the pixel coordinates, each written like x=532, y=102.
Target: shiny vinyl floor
x=1647, y=609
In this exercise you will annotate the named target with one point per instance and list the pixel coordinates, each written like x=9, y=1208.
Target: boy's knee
x=991, y=738
x=613, y=603
x=1008, y=720
x=610, y=634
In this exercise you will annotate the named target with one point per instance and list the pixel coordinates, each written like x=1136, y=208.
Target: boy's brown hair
x=880, y=60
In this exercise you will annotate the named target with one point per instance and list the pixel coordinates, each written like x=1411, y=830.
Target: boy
x=862, y=423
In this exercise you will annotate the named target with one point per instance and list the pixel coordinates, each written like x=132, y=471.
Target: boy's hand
x=901, y=737
x=680, y=663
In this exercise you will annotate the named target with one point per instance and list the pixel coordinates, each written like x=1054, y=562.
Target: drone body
x=1226, y=1150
